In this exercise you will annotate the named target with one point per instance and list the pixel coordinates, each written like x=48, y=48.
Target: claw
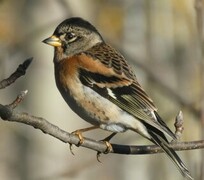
x=108, y=146
x=108, y=150
x=79, y=134
x=70, y=148
x=81, y=140
x=98, y=156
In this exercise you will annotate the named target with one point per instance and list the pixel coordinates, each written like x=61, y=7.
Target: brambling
x=98, y=84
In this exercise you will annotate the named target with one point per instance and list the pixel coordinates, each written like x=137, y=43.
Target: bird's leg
x=106, y=140
x=78, y=133
x=108, y=146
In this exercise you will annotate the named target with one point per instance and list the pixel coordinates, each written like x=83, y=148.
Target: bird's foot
x=107, y=150
x=108, y=146
x=81, y=140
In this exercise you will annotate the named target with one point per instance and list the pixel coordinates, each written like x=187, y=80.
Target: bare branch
x=18, y=100
x=9, y=114
x=20, y=71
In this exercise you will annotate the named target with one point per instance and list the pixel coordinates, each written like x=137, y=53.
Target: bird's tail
x=160, y=140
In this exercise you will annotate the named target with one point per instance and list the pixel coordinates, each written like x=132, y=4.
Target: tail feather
x=164, y=126
x=164, y=144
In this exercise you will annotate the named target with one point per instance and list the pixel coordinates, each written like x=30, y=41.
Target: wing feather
x=121, y=88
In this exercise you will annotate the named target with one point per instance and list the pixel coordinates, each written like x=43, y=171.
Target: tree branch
x=8, y=113
x=20, y=71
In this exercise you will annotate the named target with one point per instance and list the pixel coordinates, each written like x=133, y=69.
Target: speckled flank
x=86, y=98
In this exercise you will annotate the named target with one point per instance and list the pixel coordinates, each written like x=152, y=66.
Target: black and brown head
x=73, y=36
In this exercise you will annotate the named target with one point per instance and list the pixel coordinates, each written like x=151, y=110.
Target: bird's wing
x=120, y=86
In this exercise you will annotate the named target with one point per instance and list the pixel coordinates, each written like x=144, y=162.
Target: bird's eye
x=70, y=37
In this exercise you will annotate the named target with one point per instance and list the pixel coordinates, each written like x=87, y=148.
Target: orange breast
x=82, y=100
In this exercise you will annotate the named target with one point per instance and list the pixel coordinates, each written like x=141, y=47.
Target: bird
x=100, y=86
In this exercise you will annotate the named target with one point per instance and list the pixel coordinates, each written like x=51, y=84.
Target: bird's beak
x=53, y=41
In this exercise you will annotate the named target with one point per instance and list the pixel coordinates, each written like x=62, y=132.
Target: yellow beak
x=53, y=41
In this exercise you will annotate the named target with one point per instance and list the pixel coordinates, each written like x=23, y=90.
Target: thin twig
x=18, y=100
x=20, y=71
x=179, y=125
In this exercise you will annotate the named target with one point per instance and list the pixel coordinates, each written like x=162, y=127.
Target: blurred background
x=159, y=39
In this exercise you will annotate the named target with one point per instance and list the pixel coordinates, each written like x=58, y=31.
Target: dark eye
x=70, y=36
